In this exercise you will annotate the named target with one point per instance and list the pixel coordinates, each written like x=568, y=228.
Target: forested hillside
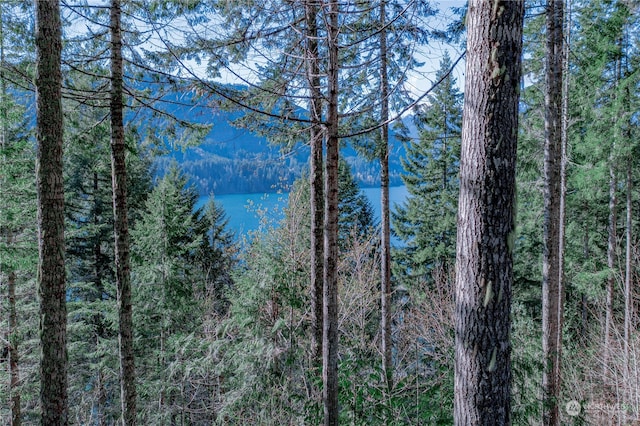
x=232, y=159
x=512, y=297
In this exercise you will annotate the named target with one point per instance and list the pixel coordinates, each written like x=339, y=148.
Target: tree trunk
x=316, y=177
x=385, y=261
x=628, y=295
x=14, y=371
x=629, y=267
x=51, y=267
x=552, y=309
x=484, y=264
x=611, y=259
x=121, y=227
x=330, y=282
x=583, y=300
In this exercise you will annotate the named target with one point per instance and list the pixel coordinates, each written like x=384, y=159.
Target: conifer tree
x=17, y=245
x=486, y=224
x=51, y=270
x=121, y=223
x=553, y=264
x=180, y=264
x=356, y=218
x=426, y=221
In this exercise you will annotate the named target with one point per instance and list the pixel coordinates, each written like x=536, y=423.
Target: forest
x=510, y=298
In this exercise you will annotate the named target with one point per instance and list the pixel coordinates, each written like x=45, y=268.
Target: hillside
x=234, y=160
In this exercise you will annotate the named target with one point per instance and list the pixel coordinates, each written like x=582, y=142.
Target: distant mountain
x=234, y=160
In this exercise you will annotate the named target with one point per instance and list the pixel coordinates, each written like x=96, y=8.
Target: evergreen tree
x=121, y=222
x=18, y=257
x=217, y=257
x=486, y=225
x=356, y=218
x=180, y=262
x=90, y=254
x=51, y=266
x=262, y=355
x=426, y=221
x=554, y=204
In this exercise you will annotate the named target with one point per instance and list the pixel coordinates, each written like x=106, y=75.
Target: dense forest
x=511, y=297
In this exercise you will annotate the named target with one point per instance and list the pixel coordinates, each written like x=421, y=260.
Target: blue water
x=245, y=211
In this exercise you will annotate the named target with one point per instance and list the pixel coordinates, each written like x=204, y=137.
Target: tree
x=91, y=282
x=486, y=227
x=89, y=256
x=552, y=266
x=272, y=30
x=121, y=226
x=426, y=221
x=331, y=214
x=51, y=267
x=355, y=220
x=385, y=232
x=17, y=243
x=176, y=257
x=316, y=162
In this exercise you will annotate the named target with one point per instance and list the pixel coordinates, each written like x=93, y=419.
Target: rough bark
x=552, y=291
x=330, y=281
x=121, y=227
x=51, y=268
x=484, y=264
x=316, y=177
x=385, y=244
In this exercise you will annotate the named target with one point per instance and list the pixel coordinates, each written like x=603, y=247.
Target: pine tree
x=426, y=221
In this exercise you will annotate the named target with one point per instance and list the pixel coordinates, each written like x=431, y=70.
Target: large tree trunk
x=316, y=177
x=121, y=227
x=484, y=264
x=552, y=309
x=330, y=284
x=385, y=261
x=51, y=268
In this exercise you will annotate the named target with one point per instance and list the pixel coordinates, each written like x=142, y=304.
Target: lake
x=244, y=210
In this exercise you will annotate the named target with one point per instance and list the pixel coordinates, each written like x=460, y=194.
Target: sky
x=419, y=80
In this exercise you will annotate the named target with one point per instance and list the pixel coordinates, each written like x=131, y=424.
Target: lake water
x=244, y=211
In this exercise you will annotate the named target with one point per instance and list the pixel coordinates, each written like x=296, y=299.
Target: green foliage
x=356, y=218
x=93, y=323
x=181, y=262
x=18, y=255
x=261, y=344
x=426, y=221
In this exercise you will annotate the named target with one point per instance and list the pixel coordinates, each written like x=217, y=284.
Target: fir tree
x=180, y=262
x=426, y=221
x=356, y=217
